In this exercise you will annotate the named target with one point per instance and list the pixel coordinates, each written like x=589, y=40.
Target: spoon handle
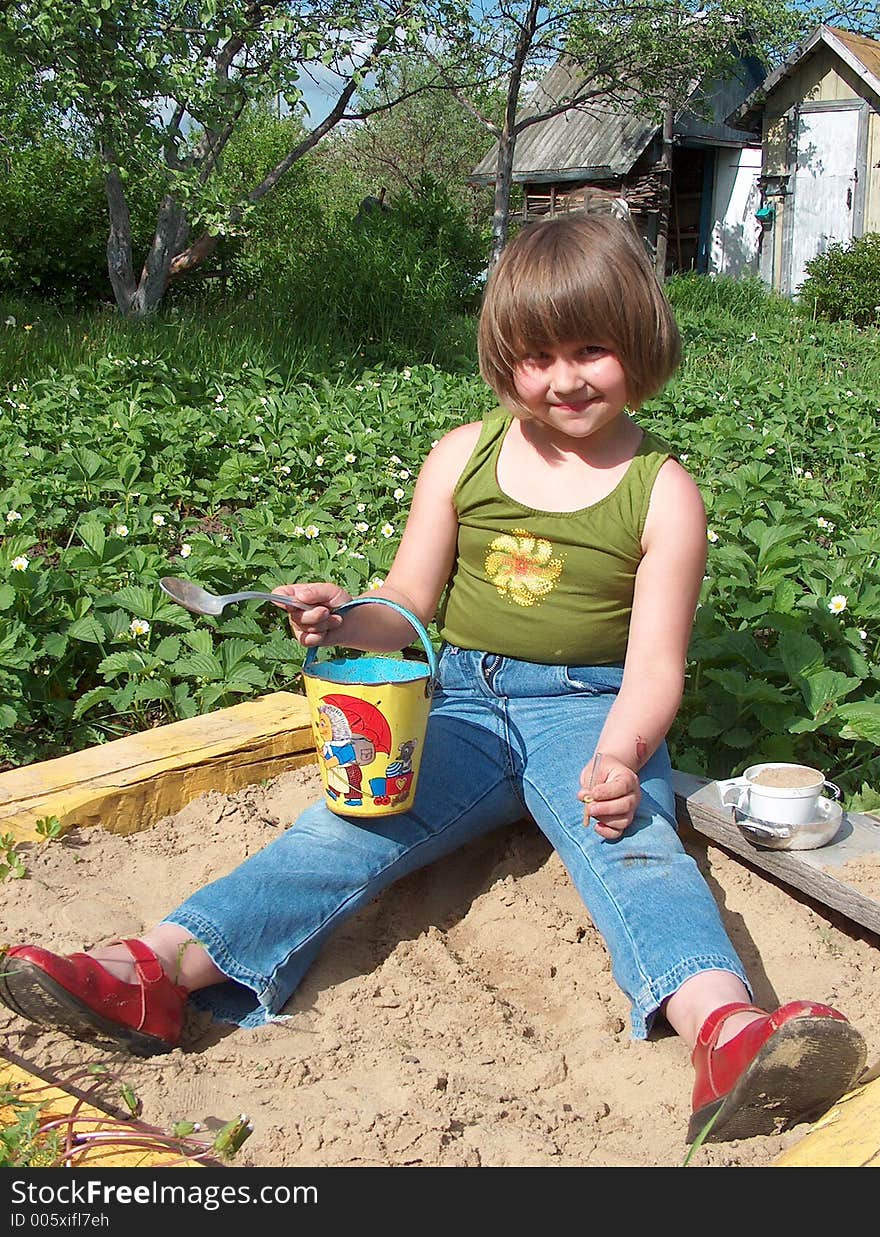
x=284, y=600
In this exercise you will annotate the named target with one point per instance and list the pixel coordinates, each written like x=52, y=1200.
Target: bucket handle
x=417, y=627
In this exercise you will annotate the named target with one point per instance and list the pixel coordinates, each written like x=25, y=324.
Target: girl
x=568, y=546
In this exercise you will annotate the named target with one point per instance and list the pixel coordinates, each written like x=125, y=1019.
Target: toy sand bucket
x=369, y=715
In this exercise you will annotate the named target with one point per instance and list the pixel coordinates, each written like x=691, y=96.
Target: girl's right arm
x=418, y=575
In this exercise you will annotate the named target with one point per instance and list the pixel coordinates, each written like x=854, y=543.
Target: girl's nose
x=566, y=377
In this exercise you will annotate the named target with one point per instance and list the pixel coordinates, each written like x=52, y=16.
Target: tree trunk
x=665, y=194
x=154, y=276
x=119, y=263
x=507, y=139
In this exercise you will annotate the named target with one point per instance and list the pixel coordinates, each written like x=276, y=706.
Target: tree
x=159, y=86
x=648, y=54
x=427, y=135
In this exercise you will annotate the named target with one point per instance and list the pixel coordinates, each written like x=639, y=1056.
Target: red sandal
x=80, y=997
x=783, y=1068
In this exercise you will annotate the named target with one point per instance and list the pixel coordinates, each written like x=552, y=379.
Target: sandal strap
x=711, y=1028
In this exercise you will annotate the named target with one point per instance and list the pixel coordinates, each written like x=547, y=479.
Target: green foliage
x=11, y=863
x=844, y=282
x=124, y=468
x=53, y=228
x=40, y=1136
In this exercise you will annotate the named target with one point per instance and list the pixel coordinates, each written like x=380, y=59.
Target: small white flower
x=387, y=530
x=808, y=475
x=361, y=508
x=798, y=471
x=319, y=460
x=299, y=531
x=218, y=399
x=407, y=373
x=354, y=554
x=349, y=459
x=185, y=550
x=684, y=457
x=121, y=530
x=863, y=635
x=359, y=387
x=12, y=516
x=398, y=494
x=712, y=535
x=837, y=604
x=10, y=321
x=771, y=450
x=158, y=519
x=395, y=459
x=312, y=531
x=20, y=563
x=362, y=526
x=376, y=582
x=139, y=627
x=404, y=474
x=823, y=523
x=259, y=420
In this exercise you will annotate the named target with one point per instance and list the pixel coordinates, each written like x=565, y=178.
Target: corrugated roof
x=860, y=53
x=600, y=139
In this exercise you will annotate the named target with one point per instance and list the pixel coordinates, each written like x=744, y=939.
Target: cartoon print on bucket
x=369, y=715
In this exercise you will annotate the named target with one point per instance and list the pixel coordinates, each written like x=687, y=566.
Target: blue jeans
x=506, y=739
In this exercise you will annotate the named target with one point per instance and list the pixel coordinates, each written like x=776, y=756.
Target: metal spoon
x=200, y=601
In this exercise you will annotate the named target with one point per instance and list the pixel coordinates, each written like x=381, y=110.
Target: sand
x=467, y=1017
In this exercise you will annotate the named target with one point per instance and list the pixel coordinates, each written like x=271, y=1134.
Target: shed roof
x=603, y=139
x=861, y=54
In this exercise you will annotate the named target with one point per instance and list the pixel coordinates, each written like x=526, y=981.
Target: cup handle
x=737, y=785
x=836, y=792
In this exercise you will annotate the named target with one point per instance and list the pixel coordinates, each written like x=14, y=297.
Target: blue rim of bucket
x=375, y=670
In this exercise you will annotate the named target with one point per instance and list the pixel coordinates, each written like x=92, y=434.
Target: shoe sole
x=30, y=992
x=804, y=1068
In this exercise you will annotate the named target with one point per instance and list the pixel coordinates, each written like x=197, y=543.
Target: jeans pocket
x=594, y=680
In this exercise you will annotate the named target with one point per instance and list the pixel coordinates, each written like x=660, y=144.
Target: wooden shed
x=604, y=150
x=818, y=116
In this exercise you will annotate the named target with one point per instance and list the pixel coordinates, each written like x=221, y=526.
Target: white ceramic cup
x=778, y=803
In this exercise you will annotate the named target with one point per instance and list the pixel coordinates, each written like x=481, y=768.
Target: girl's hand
x=315, y=626
x=613, y=799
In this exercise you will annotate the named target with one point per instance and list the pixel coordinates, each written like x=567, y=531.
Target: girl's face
x=574, y=388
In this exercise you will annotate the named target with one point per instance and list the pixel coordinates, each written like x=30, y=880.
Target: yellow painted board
x=56, y=1102
x=130, y=783
x=848, y=1136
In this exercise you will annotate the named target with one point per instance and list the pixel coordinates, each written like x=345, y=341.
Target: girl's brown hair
x=577, y=278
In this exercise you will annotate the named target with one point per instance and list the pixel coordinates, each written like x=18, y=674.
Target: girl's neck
x=548, y=471
x=608, y=447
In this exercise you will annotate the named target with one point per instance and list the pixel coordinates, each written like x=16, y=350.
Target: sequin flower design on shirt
x=521, y=566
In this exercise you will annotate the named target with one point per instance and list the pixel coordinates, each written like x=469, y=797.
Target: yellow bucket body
x=369, y=736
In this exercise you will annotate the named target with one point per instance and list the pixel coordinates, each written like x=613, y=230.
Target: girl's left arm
x=666, y=592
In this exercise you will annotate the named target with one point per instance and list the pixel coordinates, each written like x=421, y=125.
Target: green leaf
x=704, y=727
x=92, y=536
x=97, y=695
x=826, y=687
x=87, y=629
x=199, y=666
x=862, y=721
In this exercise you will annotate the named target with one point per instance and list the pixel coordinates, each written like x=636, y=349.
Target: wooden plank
x=129, y=784
x=57, y=1102
x=848, y=1136
x=819, y=873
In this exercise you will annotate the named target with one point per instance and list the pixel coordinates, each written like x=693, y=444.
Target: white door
x=824, y=186
x=733, y=241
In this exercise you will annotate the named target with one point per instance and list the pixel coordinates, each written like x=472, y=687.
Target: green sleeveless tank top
x=545, y=586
